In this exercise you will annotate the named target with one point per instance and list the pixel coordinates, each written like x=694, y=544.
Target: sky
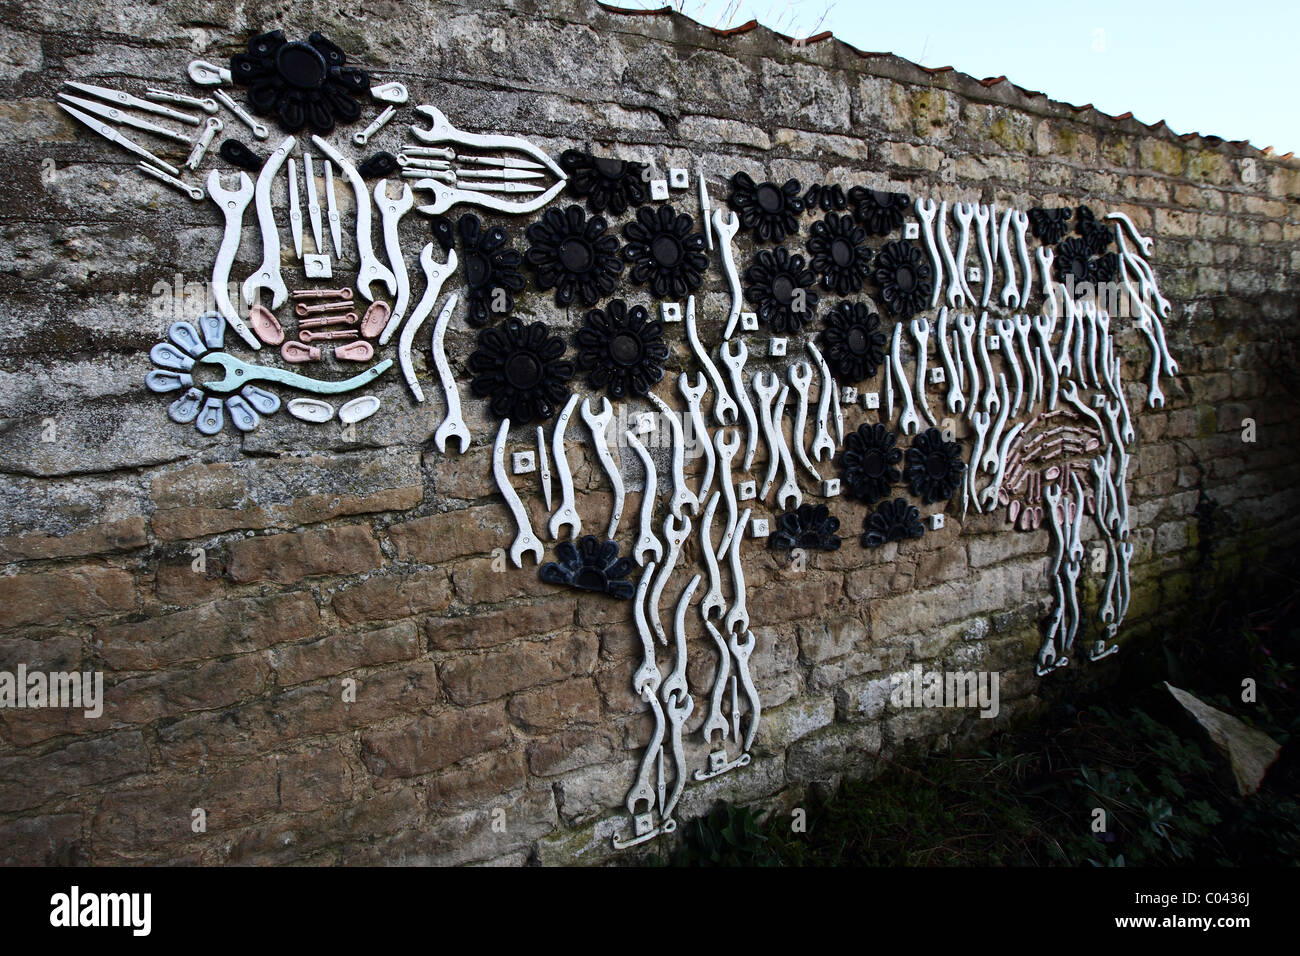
x=1222, y=69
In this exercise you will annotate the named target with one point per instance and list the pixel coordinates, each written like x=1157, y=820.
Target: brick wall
x=331, y=559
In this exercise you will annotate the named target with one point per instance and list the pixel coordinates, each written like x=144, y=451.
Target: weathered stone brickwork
x=330, y=558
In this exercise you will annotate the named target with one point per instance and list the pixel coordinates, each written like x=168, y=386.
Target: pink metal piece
x=355, y=352
x=297, y=352
x=265, y=325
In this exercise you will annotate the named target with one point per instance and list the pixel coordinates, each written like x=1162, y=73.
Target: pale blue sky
x=1225, y=69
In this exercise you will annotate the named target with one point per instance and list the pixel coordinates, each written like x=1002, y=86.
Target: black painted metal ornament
x=811, y=527
x=300, y=83
x=780, y=289
x=521, y=371
x=826, y=197
x=869, y=462
x=664, y=252
x=880, y=212
x=613, y=185
x=905, y=278
x=894, y=520
x=592, y=565
x=1049, y=225
x=771, y=211
x=934, y=467
x=840, y=255
x=621, y=350
x=491, y=269
x=573, y=255
x=852, y=342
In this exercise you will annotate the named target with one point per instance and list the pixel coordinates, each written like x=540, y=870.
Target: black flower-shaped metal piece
x=905, y=278
x=665, y=252
x=779, y=288
x=621, y=349
x=592, y=565
x=826, y=197
x=1074, y=263
x=572, y=255
x=1092, y=231
x=811, y=527
x=520, y=369
x=770, y=210
x=869, y=462
x=934, y=466
x=491, y=270
x=300, y=83
x=1049, y=225
x=840, y=255
x=892, y=521
x=879, y=212
x=613, y=185
x=852, y=342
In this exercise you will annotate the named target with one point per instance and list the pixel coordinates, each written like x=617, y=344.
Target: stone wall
x=484, y=696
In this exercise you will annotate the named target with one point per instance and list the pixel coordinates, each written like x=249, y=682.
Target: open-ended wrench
x=1006, y=332
x=682, y=497
x=435, y=274
x=908, y=422
x=742, y=650
x=822, y=441
x=728, y=445
x=737, y=618
x=232, y=204
x=391, y=212
x=598, y=424
x=713, y=600
x=525, y=540
x=966, y=325
x=694, y=395
x=646, y=542
x=765, y=387
x=453, y=424
x=920, y=329
x=800, y=375
x=735, y=363
x=567, y=513
x=725, y=228
x=677, y=699
x=788, y=496
x=982, y=342
x=1010, y=294
x=964, y=212
x=1044, y=326
x=925, y=211
x=725, y=410
x=956, y=291
x=955, y=401
x=717, y=722
x=370, y=269
x=675, y=533
x=1021, y=221
x=645, y=682
x=980, y=421
x=983, y=214
x=268, y=274
x=1024, y=324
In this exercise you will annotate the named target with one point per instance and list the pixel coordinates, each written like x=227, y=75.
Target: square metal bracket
x=679, y=178
x=746, y=490
x=936, y=521
x=848, y=394
x=316, y=266
x=523, y=462
x=870, y=399
x=659, y=189
x=1099, y=400
x=911, y=230
x=671, y=311
x=717, y=760
x=645, y=423
x=830, y=487
x=936, y=375
x=643, y=823
x=776, y=346
x=974, y=274
x=749, y=321
x=995, y=343
x=759, y=528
